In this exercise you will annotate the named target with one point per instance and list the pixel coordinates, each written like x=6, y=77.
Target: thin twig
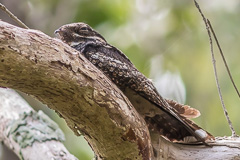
x=11, y=15
x=208, y=25
x=224, y=60
x=218, y=86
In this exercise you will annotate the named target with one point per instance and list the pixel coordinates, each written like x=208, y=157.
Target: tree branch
x=89, y=102
x=55, y=74
x=222, y=148
x=29, y=134
x=11, y=15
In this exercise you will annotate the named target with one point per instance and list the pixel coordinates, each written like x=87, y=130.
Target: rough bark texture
x=223, y=148
x=55, y=74
x=30, y=135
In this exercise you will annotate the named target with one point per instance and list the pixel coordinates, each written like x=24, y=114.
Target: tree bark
x=223, y=148
x=30, y=135
x=57, y=75
x=90, y=103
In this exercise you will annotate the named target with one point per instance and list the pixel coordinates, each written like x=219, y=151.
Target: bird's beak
x=57, y=33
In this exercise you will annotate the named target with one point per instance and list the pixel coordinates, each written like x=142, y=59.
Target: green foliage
x=95, y=12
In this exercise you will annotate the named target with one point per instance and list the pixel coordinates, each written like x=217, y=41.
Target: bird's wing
x=166, y=118
x=177, y=112
x=171, y=118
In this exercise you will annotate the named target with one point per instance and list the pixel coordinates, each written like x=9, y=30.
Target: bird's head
x=77, y=34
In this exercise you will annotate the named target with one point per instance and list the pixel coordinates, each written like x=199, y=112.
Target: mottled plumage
x=167, y=117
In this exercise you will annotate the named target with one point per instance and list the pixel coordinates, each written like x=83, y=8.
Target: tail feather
x=174, y=131
x=184, y=110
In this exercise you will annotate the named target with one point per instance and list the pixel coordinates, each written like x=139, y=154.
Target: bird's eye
x=84, y=29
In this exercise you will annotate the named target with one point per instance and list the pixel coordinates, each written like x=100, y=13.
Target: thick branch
x=29, y=134
x=54, y=73
x=222, y=148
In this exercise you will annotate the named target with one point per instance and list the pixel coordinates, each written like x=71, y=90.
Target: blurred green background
x=165, y=39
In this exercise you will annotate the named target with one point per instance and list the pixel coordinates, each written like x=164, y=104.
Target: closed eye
x=84, y=29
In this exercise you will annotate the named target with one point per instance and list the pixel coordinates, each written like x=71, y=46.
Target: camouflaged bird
x=166, y=117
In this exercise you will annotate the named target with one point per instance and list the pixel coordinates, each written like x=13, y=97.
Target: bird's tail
x=172, y=128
